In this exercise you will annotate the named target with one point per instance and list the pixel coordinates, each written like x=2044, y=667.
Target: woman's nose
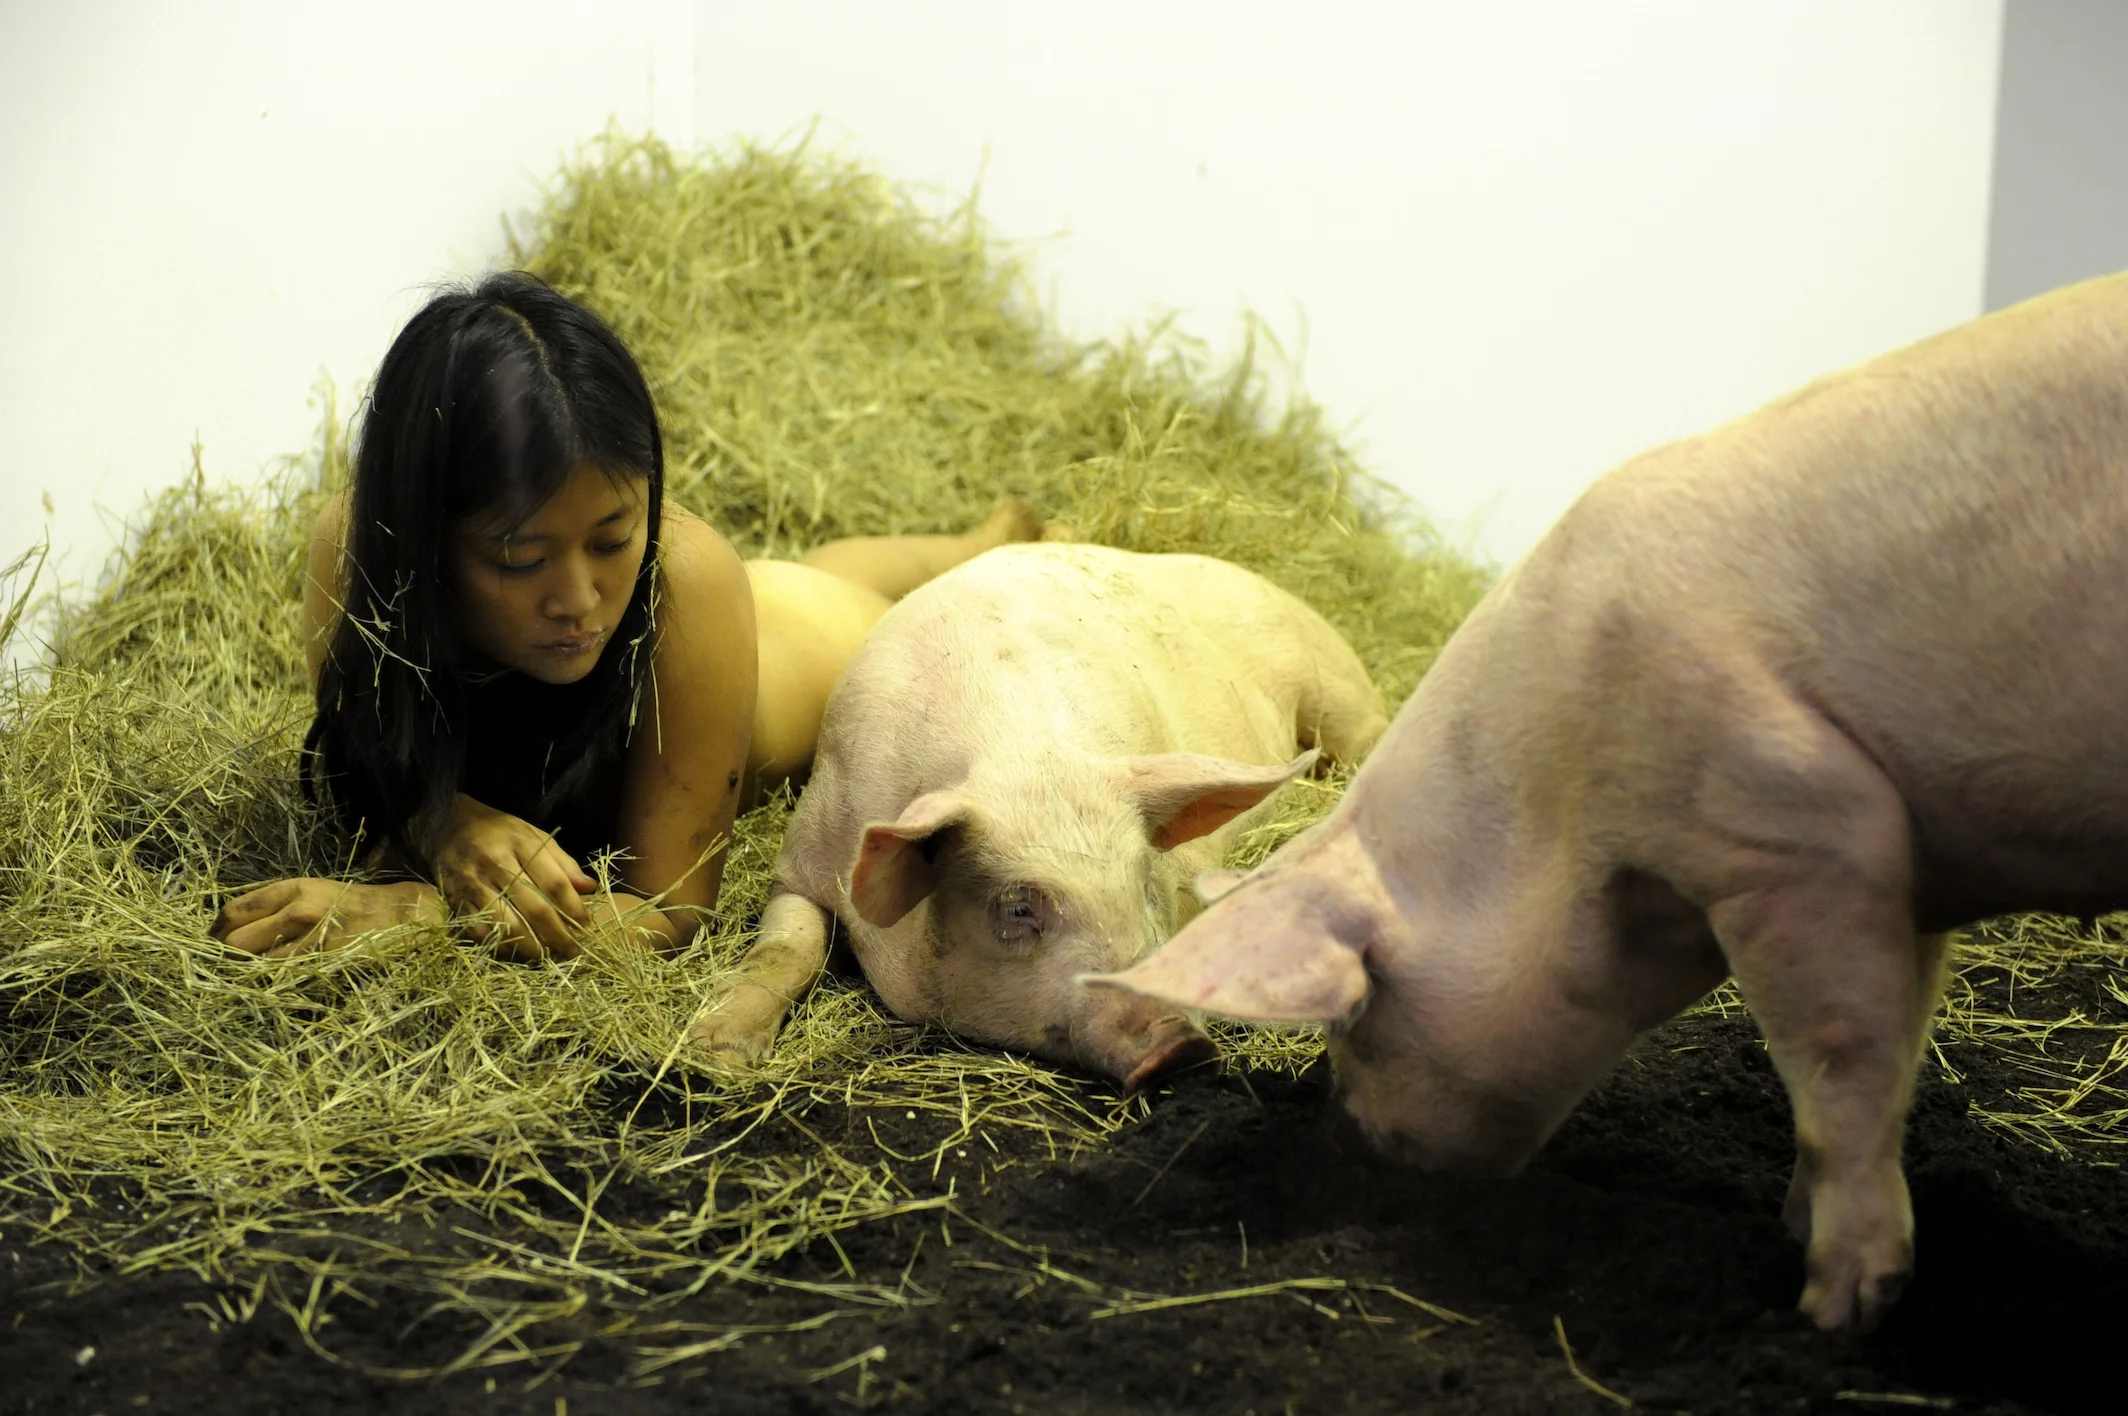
x=572, y=595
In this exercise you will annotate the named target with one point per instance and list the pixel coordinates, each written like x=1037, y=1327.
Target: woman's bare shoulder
x=324, y=582
x=695, y=557
x=704, y=587
x=330, y=529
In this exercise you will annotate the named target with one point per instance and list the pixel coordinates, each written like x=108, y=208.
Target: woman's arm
x=324, y=585
x=481, y=855
x=687, y=757
x=685, y=763
x=298, y=915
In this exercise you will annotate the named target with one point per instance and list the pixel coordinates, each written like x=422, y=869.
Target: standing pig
x=1018, y=775
x=1785, y=701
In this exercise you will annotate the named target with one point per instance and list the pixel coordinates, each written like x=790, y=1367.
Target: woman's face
x=545, y=596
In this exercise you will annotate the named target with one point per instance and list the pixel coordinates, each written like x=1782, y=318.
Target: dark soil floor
x=1647, y=1232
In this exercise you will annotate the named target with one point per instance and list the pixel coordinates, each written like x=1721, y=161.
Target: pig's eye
x=1016, y=916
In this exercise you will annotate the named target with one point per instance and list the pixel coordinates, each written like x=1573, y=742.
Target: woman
x=522, y=654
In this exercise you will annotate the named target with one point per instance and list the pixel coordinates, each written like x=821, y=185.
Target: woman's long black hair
x=485, y=404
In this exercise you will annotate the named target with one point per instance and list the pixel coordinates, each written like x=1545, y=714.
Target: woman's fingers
x=297, y=916
x=269, y=937
x=474, y=878
x=515, y=937
x=252, y=906
x=550, y=929
x=561, y=879
x=558, y=883
x=259, y=937
x=506, y=924
x=315, y=937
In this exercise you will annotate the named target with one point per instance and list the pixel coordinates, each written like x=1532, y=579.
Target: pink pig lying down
x=1019, y=774
x=1786, y=701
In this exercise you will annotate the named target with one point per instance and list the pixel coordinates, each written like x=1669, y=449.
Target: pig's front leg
x=1818, y=927
x=738, y=1024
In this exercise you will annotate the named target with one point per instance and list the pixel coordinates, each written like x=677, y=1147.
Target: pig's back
x=1029, y=646
x=1931, y=550
x=1113, y=651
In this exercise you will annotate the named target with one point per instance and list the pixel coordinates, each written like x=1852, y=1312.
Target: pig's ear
x=1211, y=884
x=1185, y=795
x=1284, y=976
x=897, y=861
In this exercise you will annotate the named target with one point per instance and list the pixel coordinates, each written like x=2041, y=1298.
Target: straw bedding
x=828, y=360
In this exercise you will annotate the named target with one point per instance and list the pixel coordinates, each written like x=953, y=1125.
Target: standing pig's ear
x=897, y=862
x=1291, y=948
x=1290, y=972
x=1185, y=795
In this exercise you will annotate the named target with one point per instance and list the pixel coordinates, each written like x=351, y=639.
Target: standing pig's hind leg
x=737, y=1024
x=1817, y=925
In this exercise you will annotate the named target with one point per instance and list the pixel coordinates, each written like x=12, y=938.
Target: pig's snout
x=1436, y=1123
x=1448, y=1156
x=1184, y=1047
x=1136, y=1039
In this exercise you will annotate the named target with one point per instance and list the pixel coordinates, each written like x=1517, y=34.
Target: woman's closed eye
x=609, y=549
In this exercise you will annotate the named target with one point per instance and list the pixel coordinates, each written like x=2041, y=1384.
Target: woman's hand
x=514, y=889
x=292, y=917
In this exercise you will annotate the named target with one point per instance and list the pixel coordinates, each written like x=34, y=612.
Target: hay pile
x=828, y=360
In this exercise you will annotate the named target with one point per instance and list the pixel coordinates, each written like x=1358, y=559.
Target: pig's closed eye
x=1016, y=916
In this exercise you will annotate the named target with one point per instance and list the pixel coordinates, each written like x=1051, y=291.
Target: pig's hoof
x=723, y=1042
x=1854, y=1291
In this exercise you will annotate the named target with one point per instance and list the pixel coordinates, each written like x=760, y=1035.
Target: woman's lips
x=573, y=645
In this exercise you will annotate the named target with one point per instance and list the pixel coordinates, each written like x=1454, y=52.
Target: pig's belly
x=2013, y=768
x=1970, y=868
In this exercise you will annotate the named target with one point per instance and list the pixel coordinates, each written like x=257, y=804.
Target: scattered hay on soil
x=513, y=1146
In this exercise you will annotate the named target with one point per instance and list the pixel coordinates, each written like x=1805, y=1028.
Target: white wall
x=1528, y=238
x=204, y=207
x=2059, y=203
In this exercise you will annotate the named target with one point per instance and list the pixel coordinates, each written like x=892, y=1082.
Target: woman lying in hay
x=522, y=655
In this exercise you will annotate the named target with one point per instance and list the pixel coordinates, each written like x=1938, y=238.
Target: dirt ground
x=1647, y=1234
